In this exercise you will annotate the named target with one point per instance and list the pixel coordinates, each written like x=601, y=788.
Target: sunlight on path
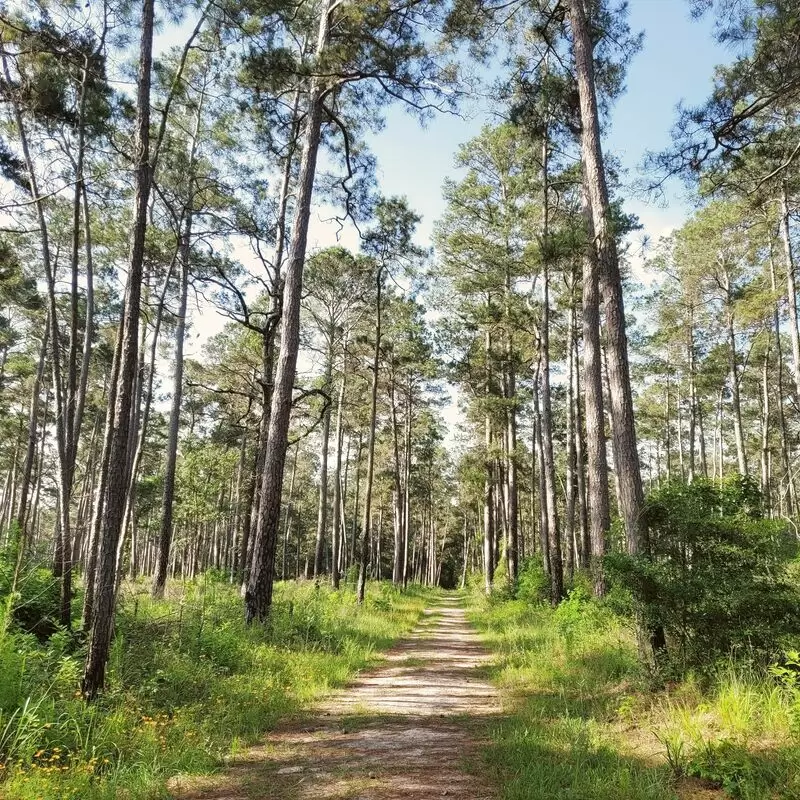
x=410, y=729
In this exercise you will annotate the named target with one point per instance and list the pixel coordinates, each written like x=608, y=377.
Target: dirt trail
x=410, y=729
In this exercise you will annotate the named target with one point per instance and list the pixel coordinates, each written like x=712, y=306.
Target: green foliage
x=716, y=575
x=565, y=671
x=743, y=773
x=533, y=585
x=189, y=685
x=577, y=616
x=34, y=606
x=739, y=733
x=581, y=711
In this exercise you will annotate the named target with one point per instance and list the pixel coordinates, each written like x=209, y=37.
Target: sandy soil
x=411, y=729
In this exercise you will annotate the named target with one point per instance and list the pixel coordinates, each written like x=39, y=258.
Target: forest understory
x=204, y=707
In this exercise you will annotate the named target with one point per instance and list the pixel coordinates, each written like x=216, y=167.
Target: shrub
x=34, y=607
x=533, y=584
x=715, y=576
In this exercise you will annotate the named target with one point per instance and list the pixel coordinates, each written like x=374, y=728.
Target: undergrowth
x=586, y=722
x=189, y=685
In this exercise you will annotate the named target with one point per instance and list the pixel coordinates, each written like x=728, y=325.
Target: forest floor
x=415, y=727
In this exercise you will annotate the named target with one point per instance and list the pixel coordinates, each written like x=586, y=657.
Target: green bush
x=533, y=584
x=715, y=577
x=34, y=608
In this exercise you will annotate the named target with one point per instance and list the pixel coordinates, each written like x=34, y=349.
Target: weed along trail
x=411, y=729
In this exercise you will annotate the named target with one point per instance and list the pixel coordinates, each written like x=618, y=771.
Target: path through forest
x=411, y=729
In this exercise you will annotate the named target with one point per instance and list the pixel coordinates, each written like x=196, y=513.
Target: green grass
x=189, y=685
x=583, y=723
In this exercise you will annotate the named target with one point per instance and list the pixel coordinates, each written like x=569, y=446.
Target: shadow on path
x=411, y=729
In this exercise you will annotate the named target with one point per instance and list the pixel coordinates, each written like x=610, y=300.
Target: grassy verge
x=190, y=685
x=583, y=723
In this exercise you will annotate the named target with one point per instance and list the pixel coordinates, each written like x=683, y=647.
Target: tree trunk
x=791, y=286
x=598, y=505
x=585, y=549
x=407, y=481
x=338, y=528
x=62, y=566
x=373, y=410
x=322, y=510
x=258, y=597
x=690, y=357
x=488, y=492
x=776, y=323
x=20, y=514
x=548, y=461
x=102, y=619
x=544, y=533
x=570, y=537
x=765, y=421
x=733, y=370
x=624, y=431
x=289, y=515
x=397, y=497
x=168, y=497
x=512, y=510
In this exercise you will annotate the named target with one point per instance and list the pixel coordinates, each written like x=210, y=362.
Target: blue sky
x=676, y=62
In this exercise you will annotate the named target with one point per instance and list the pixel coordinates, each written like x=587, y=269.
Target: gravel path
x=410, y=729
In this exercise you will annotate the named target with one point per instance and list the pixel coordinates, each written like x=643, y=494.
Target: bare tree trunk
x=147, y=395
x=765, y=421
x=667, y=428
x=598, y=505
x=791, y=285
x=269, y=333
x=690, y=354
x=512, y=510
x=93, y=545
x=679, y=409
x=62, y=566
x=776, y=323
x=322, y=510
x=168, y=497
x=356, y=504
x=102, y=618
x=571, y=467
x=338, y=528
x=548, y=461
x=258, y=597
x=20, y=515
x=488, y=493
x=365, y=533
x=544, y=532
x=733, y=370
x=585, y=549
x=611, y=286
x=407, y=481
x=397, y=497
x=289, y=513
x=702, y=438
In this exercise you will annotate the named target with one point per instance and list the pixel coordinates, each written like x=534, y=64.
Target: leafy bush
x=715, y=576
x=34, y=607
x=533, y=584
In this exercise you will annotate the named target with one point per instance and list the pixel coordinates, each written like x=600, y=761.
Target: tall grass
x=584, y=722
x=189, y=685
